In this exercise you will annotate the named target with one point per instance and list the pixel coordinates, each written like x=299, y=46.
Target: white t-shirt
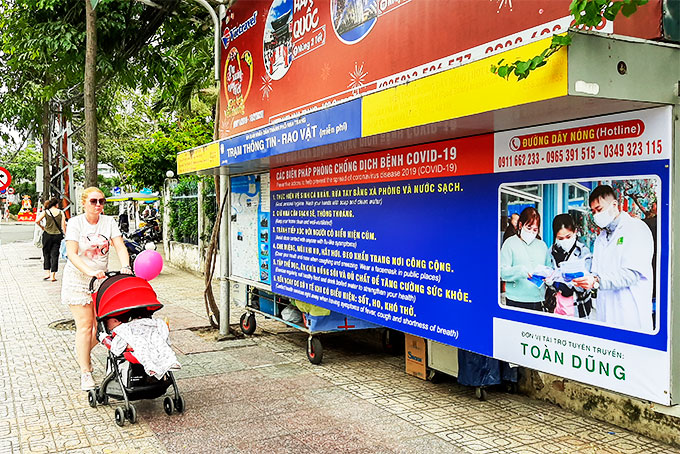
x=94, y=240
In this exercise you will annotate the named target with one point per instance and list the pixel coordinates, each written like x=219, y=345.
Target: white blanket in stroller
x=148, y=338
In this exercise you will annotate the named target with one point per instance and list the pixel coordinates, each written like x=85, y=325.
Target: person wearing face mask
x=521, y=255
x=568, y=299
x=622, y=265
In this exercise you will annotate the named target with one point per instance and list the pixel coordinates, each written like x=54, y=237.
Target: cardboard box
x=416, y=363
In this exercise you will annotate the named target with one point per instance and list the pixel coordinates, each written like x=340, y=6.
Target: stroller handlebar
x=94, y=279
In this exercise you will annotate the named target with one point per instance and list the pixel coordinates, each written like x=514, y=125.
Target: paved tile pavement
x=259, y=394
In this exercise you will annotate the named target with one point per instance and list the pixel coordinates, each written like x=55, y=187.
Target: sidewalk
x=259, y=394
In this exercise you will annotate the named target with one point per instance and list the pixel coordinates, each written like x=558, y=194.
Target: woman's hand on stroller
x=99, y=274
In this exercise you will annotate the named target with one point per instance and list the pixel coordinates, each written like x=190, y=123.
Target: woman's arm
x=123, y=256
x=72, y=252
x=63, y=222
x=510, y=271
x=40, y=217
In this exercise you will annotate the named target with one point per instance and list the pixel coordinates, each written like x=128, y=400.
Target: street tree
x=42, y=55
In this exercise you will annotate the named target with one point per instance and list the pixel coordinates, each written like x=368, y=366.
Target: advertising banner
x=284, y=58
x=546, y=247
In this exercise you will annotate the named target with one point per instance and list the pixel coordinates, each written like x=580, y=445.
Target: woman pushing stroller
x=89, y=237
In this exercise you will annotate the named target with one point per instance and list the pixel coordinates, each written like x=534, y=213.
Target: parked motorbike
x=151, y=232
x=143, y=238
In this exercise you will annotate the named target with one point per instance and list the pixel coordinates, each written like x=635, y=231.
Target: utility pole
x=91, y=159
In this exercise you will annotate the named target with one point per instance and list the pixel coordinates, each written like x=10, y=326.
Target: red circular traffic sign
x=5, y=178
x=10, y=191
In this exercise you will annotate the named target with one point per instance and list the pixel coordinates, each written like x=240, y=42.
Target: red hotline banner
x=640, y=135
x=466, y=156
x=608, y=131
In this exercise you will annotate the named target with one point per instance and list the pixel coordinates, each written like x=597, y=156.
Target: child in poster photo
x=521, y=256
x=569, y=300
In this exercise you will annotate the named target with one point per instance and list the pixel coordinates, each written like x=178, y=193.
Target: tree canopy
x=164, y=51
x=149, y=160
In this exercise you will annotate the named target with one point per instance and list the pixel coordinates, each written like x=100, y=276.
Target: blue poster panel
x=545, y=247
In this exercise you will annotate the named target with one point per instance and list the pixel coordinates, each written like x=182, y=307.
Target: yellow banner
x=463, y=91
x=201, y=158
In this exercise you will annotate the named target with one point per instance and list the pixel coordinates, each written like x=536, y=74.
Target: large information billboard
x=284, y=58
x=417, y=239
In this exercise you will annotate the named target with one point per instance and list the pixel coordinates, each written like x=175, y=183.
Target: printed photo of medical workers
x=582, y=249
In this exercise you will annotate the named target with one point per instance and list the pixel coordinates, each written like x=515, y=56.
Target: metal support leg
x=224, y=259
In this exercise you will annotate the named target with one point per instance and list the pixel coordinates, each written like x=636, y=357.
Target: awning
x=134, y=197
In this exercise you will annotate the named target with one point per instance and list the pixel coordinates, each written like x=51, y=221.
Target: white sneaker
x=86, y=381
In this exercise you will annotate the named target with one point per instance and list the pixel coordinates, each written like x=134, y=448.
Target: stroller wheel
x=480, y=393
x=104, y=400
x=92, y=398
x=179, y=404
x=120, y=416
x=132, y=414
x=168, y=405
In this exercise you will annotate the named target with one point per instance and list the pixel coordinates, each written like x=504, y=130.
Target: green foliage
x=107, y=185
x=26, y=188
x=23, y=163
x=184, y=210
x=131, y=123
x=149, y=160
x=587, y=13
x=141, y=49
x=14, y=208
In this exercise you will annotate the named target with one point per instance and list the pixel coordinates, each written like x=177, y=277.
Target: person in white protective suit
x=622, y=273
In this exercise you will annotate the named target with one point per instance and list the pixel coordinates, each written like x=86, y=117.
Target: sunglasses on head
x=97, y=201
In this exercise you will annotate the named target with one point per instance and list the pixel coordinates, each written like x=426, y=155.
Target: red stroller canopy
x=124, y=292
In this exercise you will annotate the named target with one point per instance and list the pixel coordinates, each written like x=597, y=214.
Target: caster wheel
x=120, y=416
x=104, y=400
x=511, y=387
x=168, y=405
x=179, y=404
x=248, y=323
x=433, y=376
x=314, y=351
x=480, y=393
x=132, y=414
x=92, y=398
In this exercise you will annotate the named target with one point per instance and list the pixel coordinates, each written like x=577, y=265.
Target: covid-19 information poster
x=425, y=240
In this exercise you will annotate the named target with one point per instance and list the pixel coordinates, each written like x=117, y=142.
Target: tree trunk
x=89, y=91
x=46, y=164
x=211, y=305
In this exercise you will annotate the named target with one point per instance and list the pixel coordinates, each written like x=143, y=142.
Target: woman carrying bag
x=55, y=225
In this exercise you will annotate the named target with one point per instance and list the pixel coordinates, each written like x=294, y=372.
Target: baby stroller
x=125, y=296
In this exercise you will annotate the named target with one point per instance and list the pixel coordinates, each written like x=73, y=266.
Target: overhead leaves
x=588, y=13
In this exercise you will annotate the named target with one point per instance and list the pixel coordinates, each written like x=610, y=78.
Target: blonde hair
x=86, y=193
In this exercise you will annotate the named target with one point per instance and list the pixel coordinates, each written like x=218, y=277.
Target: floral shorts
x=75, y=287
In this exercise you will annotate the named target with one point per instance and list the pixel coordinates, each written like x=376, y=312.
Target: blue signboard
x=409, y=239
x=334, y=124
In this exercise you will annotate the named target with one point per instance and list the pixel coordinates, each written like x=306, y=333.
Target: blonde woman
x=89, y=236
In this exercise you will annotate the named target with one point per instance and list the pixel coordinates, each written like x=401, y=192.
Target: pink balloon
x=148, y=264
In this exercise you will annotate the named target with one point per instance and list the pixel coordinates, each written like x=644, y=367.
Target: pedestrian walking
x=53, y=233
x=89, y=237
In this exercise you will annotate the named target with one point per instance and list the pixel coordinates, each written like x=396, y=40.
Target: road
x=11, y=232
